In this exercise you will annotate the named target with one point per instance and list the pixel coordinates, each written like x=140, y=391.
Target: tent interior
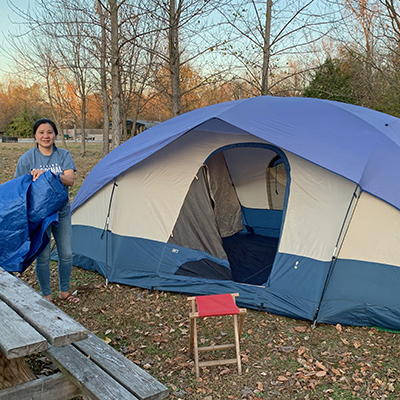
x=233, y=211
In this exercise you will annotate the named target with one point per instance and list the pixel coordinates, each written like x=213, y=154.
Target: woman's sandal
x=70, y=298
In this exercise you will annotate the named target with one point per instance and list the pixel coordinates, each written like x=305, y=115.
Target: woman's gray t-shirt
x=59, y=161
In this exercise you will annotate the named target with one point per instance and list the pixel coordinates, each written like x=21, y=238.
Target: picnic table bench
x=88, y=365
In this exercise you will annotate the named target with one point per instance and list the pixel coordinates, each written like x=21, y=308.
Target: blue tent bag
x=27, y=209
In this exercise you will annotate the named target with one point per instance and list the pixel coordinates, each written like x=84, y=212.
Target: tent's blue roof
x=360, y=144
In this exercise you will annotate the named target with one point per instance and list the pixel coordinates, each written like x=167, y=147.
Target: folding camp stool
x=214, y=306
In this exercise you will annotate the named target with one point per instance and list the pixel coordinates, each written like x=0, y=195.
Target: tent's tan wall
x=374, y=232
x=148, y=199
x=316, y=210
x=159, y=182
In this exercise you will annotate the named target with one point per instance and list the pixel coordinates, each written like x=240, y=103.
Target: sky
x=7, y=17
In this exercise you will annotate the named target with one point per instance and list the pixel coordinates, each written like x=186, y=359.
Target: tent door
x=219, y=216
x=251, y=249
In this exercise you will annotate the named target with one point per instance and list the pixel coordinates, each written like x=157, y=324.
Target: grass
x=282, y=358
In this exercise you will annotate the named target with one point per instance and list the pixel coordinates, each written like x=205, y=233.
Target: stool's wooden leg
x=237, y=347
x=196, y=348
x=242, y=316
x=191, y=337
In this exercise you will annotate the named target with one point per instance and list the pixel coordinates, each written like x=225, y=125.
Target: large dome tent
x=292, y=202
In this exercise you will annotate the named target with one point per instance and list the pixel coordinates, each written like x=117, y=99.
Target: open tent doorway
x=234, y=211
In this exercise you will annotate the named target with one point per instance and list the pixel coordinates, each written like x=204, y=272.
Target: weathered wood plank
x=127, y=373
x=54, y=387
x=14, y=372
x=17, y=337
x=54, y=324
x=90, y=378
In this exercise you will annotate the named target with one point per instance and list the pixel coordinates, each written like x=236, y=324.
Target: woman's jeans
x=63, y=237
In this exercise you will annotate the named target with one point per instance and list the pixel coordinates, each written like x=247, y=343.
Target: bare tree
x=186, y=42
x=174, y=55
x=103, y=78
x=393, y=13
x=126, y=30
x=358, y=38
x=55, y=46
x=137, y=53
x=262, y=48
x=116, y=117
x=390, y=22
x=39, y=66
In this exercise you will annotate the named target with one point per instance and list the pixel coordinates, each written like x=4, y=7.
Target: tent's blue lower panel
x=358, y=293
x=362, y=294
x=155, y=265
x=121, y=258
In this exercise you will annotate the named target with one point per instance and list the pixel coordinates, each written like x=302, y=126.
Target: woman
x=46, y=156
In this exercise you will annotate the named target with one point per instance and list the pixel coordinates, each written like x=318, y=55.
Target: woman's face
x=45, y=136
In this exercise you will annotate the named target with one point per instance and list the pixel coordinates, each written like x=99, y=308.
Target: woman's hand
x=36, y=173
x=68, y=177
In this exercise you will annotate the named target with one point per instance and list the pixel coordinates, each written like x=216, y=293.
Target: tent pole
x=106, y=226
x=336, y=250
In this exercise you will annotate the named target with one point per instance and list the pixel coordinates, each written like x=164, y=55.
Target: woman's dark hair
x=44, y=121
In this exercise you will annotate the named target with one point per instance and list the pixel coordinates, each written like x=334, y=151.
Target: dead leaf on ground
x=320, y=365
x=301, y=350
x=225, y=371
x=336, y=371
x=282, y=378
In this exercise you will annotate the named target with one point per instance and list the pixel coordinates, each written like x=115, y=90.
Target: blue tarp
x=358, y=143
x=27, y=208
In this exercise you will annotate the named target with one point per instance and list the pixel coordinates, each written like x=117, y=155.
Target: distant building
x=140, y=126
x=97, y=134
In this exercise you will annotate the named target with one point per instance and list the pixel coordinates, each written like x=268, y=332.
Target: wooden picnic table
x=30, y=324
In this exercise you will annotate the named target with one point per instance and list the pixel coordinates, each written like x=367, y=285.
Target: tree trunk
x=103, y=80
x=174, y=58
x=83, y=125
x=52, y=108
x=115, y=77
x=266, y=50
x=124, y=127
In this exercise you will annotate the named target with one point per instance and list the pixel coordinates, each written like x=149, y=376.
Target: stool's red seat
x=214, y=306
